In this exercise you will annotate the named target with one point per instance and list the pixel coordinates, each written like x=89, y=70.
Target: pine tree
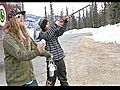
x=51, y=13
x=114, y=12
x=68, y=25
x=79, y=21
x=74, y=22
x=61, y=14
x=83, y=18
x=91, y=17
x=45, y=13
x=87, y=19
x=95, y=15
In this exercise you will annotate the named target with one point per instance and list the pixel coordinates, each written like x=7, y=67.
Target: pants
x=34, y=83
x=60, y=73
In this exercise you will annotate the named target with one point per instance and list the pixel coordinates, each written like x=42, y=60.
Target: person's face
x=20, y=18
x=48, y=26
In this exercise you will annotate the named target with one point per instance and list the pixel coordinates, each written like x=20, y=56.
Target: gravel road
x=94, y=64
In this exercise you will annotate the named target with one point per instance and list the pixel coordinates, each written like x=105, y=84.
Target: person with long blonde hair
x=19, y=50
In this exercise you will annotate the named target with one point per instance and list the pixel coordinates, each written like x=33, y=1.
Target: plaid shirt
x=52, y=43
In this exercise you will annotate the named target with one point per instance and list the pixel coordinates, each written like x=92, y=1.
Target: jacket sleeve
x=54, y=31
x=61, y=30
x=50, y=33
x=46, y=54
x=12, y=47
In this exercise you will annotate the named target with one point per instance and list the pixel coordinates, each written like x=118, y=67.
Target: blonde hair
x=14, y=28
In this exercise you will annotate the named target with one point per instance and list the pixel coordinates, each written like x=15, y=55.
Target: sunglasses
x=19, y=16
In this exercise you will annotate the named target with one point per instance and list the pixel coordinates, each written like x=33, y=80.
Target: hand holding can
x=42, y=43
x=41, y=46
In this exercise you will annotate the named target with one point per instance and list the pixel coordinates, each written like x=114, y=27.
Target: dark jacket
x=18, y=61
x=51, y=37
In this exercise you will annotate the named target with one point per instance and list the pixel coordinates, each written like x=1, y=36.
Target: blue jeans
x=34, y=83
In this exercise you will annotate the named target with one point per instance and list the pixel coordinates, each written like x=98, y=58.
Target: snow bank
x=107, y=34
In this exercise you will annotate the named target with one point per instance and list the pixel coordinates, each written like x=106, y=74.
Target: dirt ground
x=93, y=64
